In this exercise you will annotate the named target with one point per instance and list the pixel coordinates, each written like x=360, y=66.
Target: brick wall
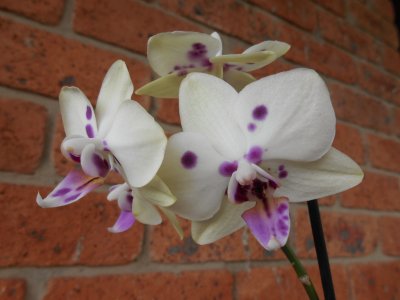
x=67, y=253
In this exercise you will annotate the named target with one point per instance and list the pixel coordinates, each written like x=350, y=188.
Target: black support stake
x=320, y=248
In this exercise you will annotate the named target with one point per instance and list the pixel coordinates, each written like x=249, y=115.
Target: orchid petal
x=333, y=173
x=289, y=115
x=144, y=211
x=123, y=223
x=268, y=223
x=116, y=190
x=116, y=87
x=238, y=79
x=173, y=220
x=163, y=87
x=226, y=221
x=191, y=170
x=72, y=188
x=137, y=142
x=72, y=147
x=218, y=37
x=244, y=59
x=93, y=163
x=206, y=103
x=170, y=51
x=157, y=192
x=77, y=113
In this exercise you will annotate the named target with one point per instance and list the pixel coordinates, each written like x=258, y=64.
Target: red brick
x=391, y=60
x=347, y=235
x=302, y=13
x=396, y=116
x=343, y=34
x=168, y=111
x=112, y=21
x=42, y=62
x=281, y=283
x=384, y=8
x=359, y=109
x=389, y=230
x=212, y=284
x=348, y=140
x=332, y=62
x=166, y=247
x=12, y=289
x=74, y=234
x=375, y=280
x=336, y=6
x=371, y=22
x=22, y=133
x=384, y=153
x=376, y=192
x=48, y=12
x=379, y=83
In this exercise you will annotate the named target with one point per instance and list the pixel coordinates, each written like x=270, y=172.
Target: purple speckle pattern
x=227, y=168
x=282, y=172
x=89, y=112
x=89, y=131
x=71, y=198
x=260, y=112
x=105, y=146
x=251, y=127
x=198, y=51
x=61, y=192
x=101, y=165
x=282, y=208
x=254, y=155
x=189, y=160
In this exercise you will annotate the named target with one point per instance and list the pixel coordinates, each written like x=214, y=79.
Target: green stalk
x=301, y=272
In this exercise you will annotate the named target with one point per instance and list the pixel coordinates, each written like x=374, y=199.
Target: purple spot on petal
x=75, y=158
x=241, y=193
x=89, y=131
x=282, y=208
x=260, y=112
x=255, y=154
x=273, y=184
x=281, y=167
x=105, y=146
x=61, y=192
x=189, y=160
x=282, y=227
x=72, y=198
x=227, y=168
x=283, y=174
x=285, y=218
x=88, y=112
x=251, y=127
x=129, y=198
x=101, y=164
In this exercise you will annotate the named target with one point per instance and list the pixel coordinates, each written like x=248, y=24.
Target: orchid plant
x=248, y=147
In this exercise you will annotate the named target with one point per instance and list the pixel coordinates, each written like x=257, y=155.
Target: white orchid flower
x=142, y=204
x=119, y=135
x=242, y=157
x=172, y=55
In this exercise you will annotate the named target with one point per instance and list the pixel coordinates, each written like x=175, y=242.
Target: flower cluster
x=248, y=147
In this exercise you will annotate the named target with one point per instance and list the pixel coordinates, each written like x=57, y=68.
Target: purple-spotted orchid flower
x=143, y=204
x=172, y=55
x=242, y=157
x=119, y=135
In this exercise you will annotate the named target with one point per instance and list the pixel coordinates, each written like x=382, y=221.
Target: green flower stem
x=301, y=272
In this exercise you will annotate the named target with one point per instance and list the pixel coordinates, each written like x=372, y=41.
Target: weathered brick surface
x=391, y=60
x=359, y=108
x=74, y=234
x=48, y=12
x=375, y=281
x=347, y=235
x=348, y=140
x=383, y=8
x=389, y=228
x=336, y=6
x=384, y=153
x=112, y=21
x=281, y=283
x=12, y=289
x=22, y=132
x=43, y=62
x=376, y=192
x=212, y=284
x=168, y=111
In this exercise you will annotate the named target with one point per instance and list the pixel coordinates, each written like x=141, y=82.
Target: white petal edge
x=298, y=121
x=335, y=172
x=206, y=107
x=138, y=142
x=74, y=108
x=157, y=192
x=144, y=211
x=117, y=87
x=225, y=222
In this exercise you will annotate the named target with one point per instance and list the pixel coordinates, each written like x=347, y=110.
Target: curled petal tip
x=39, y=200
